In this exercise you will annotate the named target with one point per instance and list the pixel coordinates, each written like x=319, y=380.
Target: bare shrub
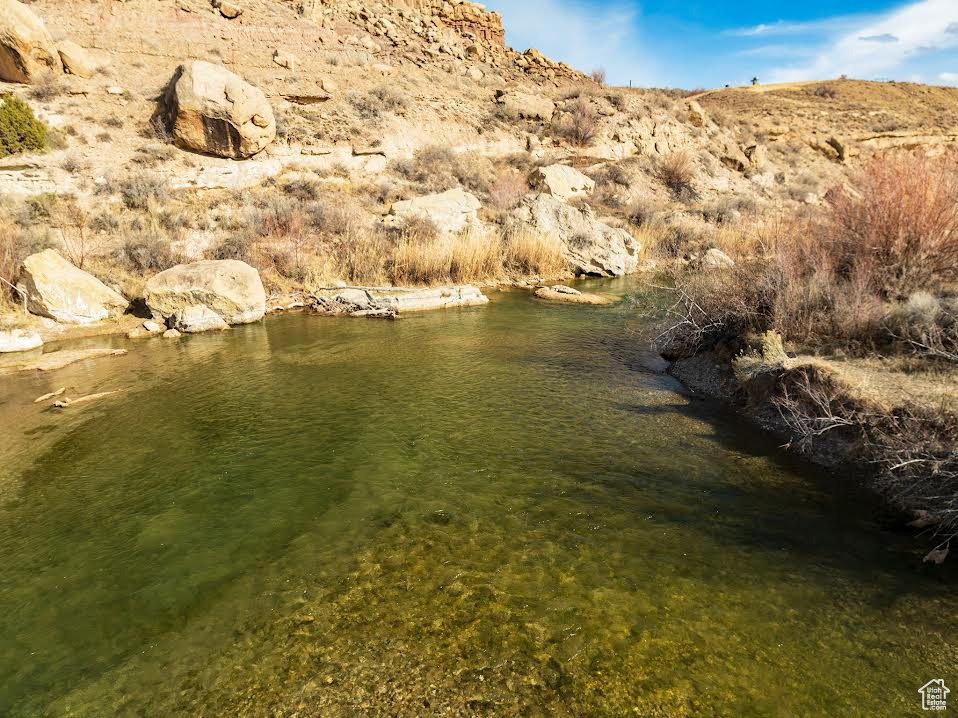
x=898, y=224
x=598, y=75
x=373, y=105
x=508, y=190
x=926, y=324
x=677, y=172
x=829, y=92
x=48, y=88
x=584, y=122
x=147, y=254
x=437, y=168
x=139, y=189
x=642, y=212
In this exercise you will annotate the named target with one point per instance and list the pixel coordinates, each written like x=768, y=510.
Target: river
x=500, y=511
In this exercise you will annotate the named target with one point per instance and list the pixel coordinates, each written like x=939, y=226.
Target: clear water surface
x=499, y=511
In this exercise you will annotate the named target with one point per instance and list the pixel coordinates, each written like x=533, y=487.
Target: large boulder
x=58, y=290
x=215, y=112
x=590, y=246
x=19, y=340
x=450, y=211
x=516, y=105
x=206, y=295
x=27, y=52
x=76, y=60
x=562, y=182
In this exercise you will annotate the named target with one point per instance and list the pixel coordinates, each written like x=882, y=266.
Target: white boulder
x=562, y=182
x=590, y=246
x=450, y=211
x=58, y=290
x=188, y=296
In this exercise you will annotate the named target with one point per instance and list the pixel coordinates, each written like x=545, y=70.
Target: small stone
x=171, y=334
x=230, y=10
x=152, y=327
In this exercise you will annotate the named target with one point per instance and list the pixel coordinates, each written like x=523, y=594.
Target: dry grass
x=529, y=253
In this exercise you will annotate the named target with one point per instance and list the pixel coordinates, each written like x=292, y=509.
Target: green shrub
x=20, y=131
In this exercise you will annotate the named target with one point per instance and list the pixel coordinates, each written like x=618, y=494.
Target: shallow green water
x=496, y=511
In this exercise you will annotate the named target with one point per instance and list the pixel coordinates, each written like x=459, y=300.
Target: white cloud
x=582, y=35
x=949, y=78
x=812, y=27
x=883, y=44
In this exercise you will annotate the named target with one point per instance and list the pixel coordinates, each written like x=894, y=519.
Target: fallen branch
x=67, y=402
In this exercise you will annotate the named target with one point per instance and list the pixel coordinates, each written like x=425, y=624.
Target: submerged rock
x=58, y=290
x=568, y=295
x=590, y=246
x=388, y=302
x=189, y=296
x=198, y=318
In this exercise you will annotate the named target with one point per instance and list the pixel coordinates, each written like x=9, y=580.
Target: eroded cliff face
x=464, y=17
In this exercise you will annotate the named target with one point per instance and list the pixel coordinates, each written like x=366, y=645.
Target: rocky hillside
x=309, y=137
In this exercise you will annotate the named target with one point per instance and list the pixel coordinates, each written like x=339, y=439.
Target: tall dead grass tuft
x=530, y=253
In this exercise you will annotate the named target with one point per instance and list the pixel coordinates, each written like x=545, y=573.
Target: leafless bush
x=584, y=122
x=139, y=189
x=438, y=168
x=47, y=89
x=147, y=254
x=825, y=91
x=598, y=75
x=508, y=190
x=898, y=226
x=677, y=172
x=927, y=324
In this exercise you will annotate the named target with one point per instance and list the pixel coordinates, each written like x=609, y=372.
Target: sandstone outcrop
x=19, y=340
x=57, y=289
x=215, y=112
x=75, y=59
x=562, y=182
x=524, y=105
x=206, y=295
x=27, y=52
x=590, y=246
x=451, y=211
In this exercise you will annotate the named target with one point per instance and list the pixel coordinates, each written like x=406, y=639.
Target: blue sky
x=697, y=43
